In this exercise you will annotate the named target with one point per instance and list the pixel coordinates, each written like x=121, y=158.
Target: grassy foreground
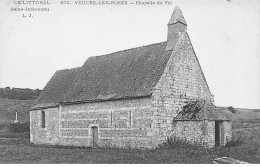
x=15, y=148
x=21, y=151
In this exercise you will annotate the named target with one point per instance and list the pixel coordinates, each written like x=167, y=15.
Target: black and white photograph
x=130, y=82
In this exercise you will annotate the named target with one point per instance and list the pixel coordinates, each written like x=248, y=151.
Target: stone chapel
x=131, y=98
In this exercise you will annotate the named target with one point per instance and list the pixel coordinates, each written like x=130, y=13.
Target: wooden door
x=94, y=130
x=217, y=134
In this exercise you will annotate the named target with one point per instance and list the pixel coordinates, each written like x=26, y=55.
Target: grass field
x=246, y=118
x=16, y=148
x=20, y=151
x=8, y=107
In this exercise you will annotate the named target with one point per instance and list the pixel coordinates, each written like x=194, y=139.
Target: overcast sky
x=225, y=36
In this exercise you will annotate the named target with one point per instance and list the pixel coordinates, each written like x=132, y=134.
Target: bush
x=234, y=142
x=19, y=127
x=232, y=109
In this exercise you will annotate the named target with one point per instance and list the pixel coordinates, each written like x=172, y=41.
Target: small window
x=111, y=118
x=130, y=118
x=43, y=119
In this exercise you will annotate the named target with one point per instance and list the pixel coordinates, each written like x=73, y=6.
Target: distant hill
x=16, y=100
x=8, y=107
x=245, y=118
x=19, y=93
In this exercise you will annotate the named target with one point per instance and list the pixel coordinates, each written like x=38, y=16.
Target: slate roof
x=177, y=16
x=202, y=110
x=55, y=89
x=129, y=73
x=123, y=74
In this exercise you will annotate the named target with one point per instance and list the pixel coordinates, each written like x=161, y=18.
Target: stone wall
x=50, y=133
x=174, y=31
x=182, y=81
x=227, y=131
x=200, y=132
x=197, y=132
x=121, y=123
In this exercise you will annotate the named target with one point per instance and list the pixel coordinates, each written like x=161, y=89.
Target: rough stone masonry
x=123, y=99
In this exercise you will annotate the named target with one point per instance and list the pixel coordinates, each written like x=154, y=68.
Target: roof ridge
x=138, y=47
x=73, y=68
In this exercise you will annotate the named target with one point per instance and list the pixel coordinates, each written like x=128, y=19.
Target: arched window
x=43, y=119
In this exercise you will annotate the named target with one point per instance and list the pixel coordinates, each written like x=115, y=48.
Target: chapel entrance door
x=94, y=131
x=219, y=133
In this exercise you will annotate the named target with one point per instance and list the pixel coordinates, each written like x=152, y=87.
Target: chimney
x=176, y=26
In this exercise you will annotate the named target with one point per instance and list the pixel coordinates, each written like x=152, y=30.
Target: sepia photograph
x=130, y=82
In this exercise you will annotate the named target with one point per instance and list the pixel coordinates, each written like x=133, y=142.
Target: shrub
x=234, y=142
x=232, y=109
x=19, y=127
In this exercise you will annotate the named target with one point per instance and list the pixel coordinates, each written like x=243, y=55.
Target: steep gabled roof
x=202, y=110
x=55, y=89
x=123, y=74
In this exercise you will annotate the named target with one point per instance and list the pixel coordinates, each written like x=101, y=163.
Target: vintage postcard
x=127, y=81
